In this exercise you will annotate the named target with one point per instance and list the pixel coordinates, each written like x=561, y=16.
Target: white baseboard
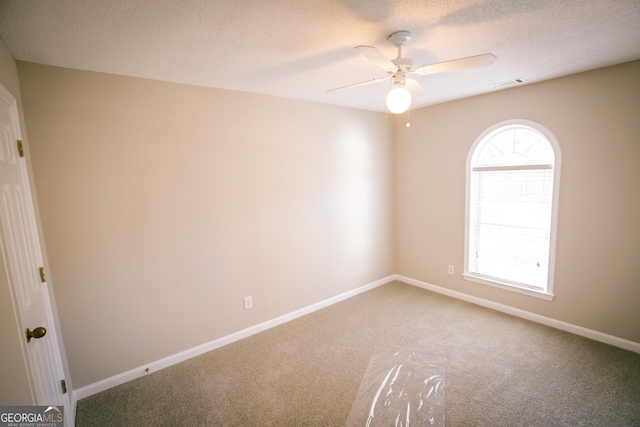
x=132, y=374
x=568, y=327
x=141, y=371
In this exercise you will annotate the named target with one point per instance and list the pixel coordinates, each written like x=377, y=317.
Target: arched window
x=513, y=175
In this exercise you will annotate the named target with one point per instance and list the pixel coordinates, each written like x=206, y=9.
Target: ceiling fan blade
x=456, y=64
x=359, y=84
x=415, y=87
x=377, y=57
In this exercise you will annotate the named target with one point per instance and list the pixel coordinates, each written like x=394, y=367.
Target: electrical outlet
x=450, y=269
x=248, y=303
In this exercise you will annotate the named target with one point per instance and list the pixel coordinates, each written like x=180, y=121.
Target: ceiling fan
x=399, y=71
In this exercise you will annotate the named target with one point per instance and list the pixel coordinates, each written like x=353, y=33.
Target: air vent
x=508, y=83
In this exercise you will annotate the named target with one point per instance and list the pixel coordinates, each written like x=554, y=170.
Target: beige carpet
x=499, y=370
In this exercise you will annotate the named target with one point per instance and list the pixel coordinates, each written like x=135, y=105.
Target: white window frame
x=487, y=134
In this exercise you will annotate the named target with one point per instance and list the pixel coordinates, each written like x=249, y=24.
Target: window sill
x=507, y=286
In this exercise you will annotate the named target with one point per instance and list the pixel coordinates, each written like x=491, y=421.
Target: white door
x=23, y=260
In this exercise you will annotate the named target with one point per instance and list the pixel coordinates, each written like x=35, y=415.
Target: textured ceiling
x=300, y=49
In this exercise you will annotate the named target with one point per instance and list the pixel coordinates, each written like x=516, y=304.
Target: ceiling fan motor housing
x=405, y=64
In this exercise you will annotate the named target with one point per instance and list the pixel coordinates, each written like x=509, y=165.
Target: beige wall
x=15, y=386
x=163, y=205
x=596, y=118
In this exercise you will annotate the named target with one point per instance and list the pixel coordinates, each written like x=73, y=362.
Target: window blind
x=509, y=223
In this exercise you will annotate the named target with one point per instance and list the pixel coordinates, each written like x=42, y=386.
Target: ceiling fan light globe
x=398, y=100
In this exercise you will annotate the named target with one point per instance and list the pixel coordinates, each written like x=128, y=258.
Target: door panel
x=23, y=258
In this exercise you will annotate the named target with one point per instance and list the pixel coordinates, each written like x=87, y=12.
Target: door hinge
x=43, y=278
x=20, y=148
x=63, y=385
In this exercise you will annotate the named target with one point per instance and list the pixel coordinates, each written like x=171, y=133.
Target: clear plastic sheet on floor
x=401, y=388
